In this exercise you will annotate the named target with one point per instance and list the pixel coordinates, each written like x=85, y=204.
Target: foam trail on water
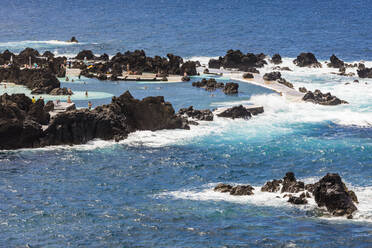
x=38, y=43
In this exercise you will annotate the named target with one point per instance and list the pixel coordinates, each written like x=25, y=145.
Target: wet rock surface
x=329, y=192
x=21, y=120
x=201, y=115
x=318, y=97
x=236, y=59
x=307, y=60
x=335, y=62
x=234, y=190
x=236, y=112
x=365, y=72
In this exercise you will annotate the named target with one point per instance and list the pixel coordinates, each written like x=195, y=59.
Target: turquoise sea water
x=154, y=188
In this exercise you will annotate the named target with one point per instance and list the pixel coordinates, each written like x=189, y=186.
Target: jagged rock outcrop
x=137, y=62
x=272, y=186
x=234, y=190
x=85, y=54
x=291, y=185
x=364, y=72
x=324, y=99
x=73, y=39
x=21, y=120
x=335, y=62
x=18, y=121
x=236, y=112
x=236, y=59
x=331, y=192
x=276, y=59
x=201, y=115
x=209, y=85
x=307, y=60
x=40, y=81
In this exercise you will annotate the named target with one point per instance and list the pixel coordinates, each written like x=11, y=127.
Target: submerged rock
x=231, y=88
x=307, y=60
x=332, y=193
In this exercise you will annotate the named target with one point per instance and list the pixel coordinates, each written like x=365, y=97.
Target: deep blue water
x=195, y=28
x=153, y=189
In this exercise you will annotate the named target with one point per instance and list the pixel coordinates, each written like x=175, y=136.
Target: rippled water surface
x=154, y=188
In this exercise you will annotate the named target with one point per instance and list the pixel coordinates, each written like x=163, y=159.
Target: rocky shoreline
x=329, y=192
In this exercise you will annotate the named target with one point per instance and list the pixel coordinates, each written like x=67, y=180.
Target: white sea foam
x=38, y=43
x=206, y=193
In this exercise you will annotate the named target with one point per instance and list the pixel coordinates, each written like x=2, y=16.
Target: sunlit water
x=154, y=189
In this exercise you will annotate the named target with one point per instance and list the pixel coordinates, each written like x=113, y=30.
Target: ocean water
x=154, y=189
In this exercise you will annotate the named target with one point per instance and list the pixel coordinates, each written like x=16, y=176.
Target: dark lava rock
x=223, y=188
x=18, y=128
x=85, y=54
x=37, y=112
x=189, y=67
x=209, y=85
x=324, y=99
x=291, y=185
x=242, y=190
x=365, y=72
x=301, y=200
x=236, y=112
x=236, y=59
x=276, y=59
x=248, y=75
x=331, y=192
x=309, y=187
x=272, y=186
x=215, y=63
x=73, y=39
x=336, y=62
x=49, y=106
x=272, y=76
x=302, y=89
x=231, y=88
x=285, y=82
x=40, y=81
x=21, y=120
x=202, y=115
x=307, y=60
